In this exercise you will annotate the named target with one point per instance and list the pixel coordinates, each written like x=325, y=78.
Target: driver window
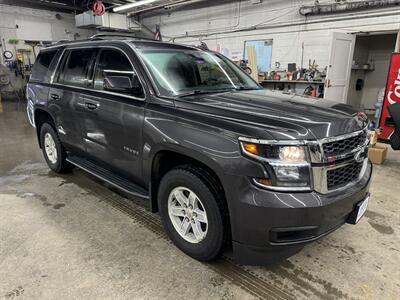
x=113, y=61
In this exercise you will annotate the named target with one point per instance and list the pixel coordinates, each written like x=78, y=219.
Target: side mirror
x=122, y=82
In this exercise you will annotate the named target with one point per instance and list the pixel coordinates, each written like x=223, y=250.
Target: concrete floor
x=73, y=237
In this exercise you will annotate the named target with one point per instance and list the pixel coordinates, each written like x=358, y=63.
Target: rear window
x=41, y=69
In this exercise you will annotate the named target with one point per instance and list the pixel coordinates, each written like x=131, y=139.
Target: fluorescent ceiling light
x=181, y=3
x=132, y=5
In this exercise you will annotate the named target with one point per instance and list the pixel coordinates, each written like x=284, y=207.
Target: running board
x=109, y=177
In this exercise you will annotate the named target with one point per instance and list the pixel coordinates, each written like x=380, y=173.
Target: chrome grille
x=341, y=176
x=336, y=161
x=343, y=146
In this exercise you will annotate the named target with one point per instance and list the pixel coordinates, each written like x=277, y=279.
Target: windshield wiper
x=243, y=88
x=202, y=92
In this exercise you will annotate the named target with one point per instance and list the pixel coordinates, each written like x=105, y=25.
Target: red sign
x=392, y=95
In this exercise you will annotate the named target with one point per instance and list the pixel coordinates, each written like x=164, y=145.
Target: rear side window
x=41, y=69
x=75, y=70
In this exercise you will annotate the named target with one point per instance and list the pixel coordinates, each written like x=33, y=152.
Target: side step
x=109, y=177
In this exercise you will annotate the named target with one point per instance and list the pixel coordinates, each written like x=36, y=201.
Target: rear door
x=68, y=88
x=39, y=83
x=113, y=121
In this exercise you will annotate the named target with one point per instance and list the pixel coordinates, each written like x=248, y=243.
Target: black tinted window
x=75, y=70
x=41, y=69
x=110, y=60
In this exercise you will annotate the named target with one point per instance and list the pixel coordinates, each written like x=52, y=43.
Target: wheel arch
x=42, y=116
x=165, y=160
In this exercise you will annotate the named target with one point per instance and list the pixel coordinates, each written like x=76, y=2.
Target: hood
x=278, y=115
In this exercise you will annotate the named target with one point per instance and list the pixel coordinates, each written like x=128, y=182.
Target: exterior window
x=41, y=69
x=75, y=70
x=114, y=63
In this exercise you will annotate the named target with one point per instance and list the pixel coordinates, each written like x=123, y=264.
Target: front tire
x=53, y=150
x=192, y=213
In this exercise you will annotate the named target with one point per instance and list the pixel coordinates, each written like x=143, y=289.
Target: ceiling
x=78, y=6
x=66, y=6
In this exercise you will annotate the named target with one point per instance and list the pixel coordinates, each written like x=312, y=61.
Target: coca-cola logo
x=396, y=91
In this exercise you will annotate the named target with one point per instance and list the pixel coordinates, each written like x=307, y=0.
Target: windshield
x=178, y=72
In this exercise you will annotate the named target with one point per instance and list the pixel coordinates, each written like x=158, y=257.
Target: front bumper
x=270, y=226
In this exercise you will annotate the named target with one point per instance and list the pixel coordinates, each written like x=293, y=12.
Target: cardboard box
x=377, y=154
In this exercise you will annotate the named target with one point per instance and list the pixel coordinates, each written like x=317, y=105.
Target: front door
x=339, y=68
x=113, y=120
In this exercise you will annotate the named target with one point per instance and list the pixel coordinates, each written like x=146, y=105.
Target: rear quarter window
x=41, y=70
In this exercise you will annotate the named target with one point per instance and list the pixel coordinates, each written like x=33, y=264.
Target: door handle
x=328, y=83
x=92, y=106
x=54, y=96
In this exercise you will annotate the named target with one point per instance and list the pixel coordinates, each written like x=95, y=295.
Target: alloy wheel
x=50, y=148
x=187, y=214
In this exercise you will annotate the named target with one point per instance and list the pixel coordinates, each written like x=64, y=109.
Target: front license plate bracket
x=358, y=211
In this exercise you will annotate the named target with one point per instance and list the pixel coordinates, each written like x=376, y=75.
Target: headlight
x=287, y=164
x=292, y=153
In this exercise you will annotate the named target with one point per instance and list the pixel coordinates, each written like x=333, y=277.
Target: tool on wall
x=33, y=44
x=24, y=62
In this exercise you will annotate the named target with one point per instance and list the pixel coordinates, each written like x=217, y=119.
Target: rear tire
x=199, y=227
x=53, y=151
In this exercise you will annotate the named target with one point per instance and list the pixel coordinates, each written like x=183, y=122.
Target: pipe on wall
x=351, y=16
x=340, y=7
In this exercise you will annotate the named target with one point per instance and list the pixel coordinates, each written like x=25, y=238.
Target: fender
x=148, y=160
x=37, y=109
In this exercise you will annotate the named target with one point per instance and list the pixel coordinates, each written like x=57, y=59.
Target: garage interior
x=74, y=236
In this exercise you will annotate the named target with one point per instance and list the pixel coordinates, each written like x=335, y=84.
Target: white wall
x=36, y=24
x=223, y=26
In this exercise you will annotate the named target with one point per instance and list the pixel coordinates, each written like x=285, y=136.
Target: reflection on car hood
x=283, y=116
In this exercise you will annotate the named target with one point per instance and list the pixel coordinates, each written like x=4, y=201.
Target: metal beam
x=59, y=5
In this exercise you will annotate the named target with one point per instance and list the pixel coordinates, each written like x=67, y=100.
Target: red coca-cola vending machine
x=392, y=95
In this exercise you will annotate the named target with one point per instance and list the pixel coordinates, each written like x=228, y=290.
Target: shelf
x=293, y=81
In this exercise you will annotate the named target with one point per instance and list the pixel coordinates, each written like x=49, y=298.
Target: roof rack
x=59, y=42
x=108, y=35
x=101, y=37
x=64, y=41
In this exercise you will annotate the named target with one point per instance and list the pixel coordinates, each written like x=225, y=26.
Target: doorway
x=369, y=70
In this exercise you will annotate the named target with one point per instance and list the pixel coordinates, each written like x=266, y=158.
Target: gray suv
x=225, y=162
